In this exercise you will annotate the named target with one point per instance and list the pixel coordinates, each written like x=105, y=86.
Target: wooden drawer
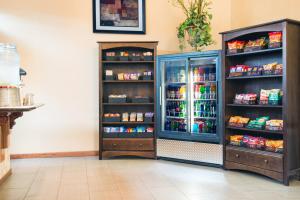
x=255, y=158
x=128, y=144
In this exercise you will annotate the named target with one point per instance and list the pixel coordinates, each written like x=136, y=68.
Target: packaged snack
x=255, y=71
x=275, y=39
x=235, y=46
x=133, y=117
x=278, y=69
x=238, y=121
x=258, y=123
x=269, y=69
x=274, y=146
x=275, y=97
x=125, y=117
x=121, y=76
x=264, y=97
x=245, y=99
x=150, y=130
x=255, y=142
x=236, y=140
x=140, y=117
x=254, y=45
x=127, y=76
x=274, y=125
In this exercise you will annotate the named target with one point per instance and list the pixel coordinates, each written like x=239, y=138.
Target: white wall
x=59, y=52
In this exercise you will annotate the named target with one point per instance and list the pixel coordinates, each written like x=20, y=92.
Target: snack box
x=117, y=99
x=141, y=99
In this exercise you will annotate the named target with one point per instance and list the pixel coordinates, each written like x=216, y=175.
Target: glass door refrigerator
x=189, y=112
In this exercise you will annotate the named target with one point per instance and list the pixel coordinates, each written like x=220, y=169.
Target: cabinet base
x=271, y=174
x=143, y=154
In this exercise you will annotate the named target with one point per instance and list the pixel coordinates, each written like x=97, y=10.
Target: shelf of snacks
x=267, y=98
x=267, y=70
x=128, y=132
x=257, y=143
x=270, y=43
x=127, y=122
x=110, y=76
x=260, y=124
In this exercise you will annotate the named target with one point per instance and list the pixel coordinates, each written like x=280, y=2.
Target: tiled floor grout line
x=36, y=174
x=87, y=180
x=60, y=180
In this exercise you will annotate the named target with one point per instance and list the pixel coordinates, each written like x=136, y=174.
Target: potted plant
x=196, y=29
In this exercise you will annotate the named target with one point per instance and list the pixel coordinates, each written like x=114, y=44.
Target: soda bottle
x=196, y=91
x=201, y=75
x=195, y=75
x=202, y=92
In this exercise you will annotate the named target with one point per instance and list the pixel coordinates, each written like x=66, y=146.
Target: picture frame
x=119, y=16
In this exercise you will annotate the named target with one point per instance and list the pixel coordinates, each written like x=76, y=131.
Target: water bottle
x=9, y=65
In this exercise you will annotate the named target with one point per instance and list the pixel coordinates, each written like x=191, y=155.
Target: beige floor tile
x=165, y=193
x=80, y=192
x=106, y=195
x=43, y=188
x=12, y=194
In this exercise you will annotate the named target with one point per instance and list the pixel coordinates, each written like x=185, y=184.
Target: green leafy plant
x=196, y=29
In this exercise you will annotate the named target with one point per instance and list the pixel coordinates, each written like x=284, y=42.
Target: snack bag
x=125, y=117
x=133, y=117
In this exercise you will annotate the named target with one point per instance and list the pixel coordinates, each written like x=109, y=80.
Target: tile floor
x=91, y=179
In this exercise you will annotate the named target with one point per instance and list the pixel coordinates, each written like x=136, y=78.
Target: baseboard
x=55, y=154
x=5, y=176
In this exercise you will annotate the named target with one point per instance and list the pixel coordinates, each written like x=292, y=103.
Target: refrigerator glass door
x=203, y=97
x=174, y=105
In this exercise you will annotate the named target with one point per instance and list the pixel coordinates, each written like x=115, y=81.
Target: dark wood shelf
x=128, y=104
x=119, y=62
x=254, y=77
x=128, y=81
x=255, y=130
x=126, y=144
x=255, y=52
x=127, y=123
x=254, y=106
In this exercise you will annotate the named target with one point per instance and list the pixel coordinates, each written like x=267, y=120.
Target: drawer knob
x=237, y=155
x=266, y=161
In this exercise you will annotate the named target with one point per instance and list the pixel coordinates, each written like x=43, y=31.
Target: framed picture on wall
x=119, y=16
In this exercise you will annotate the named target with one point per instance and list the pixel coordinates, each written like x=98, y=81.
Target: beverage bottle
x=196, y=91
x=202, y=91
x=195, y=74
x=200, y=77
x=213, y=90
x=202, y=107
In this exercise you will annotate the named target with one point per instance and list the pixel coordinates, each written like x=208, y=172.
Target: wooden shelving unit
x=281, y=167
x=126, y=144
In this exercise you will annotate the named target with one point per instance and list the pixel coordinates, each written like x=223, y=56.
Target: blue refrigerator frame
x=189, y=136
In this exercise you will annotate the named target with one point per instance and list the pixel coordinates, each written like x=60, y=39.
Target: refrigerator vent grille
x=191, y=151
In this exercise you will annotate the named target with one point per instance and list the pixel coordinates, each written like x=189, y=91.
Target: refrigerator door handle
x=160, y=96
